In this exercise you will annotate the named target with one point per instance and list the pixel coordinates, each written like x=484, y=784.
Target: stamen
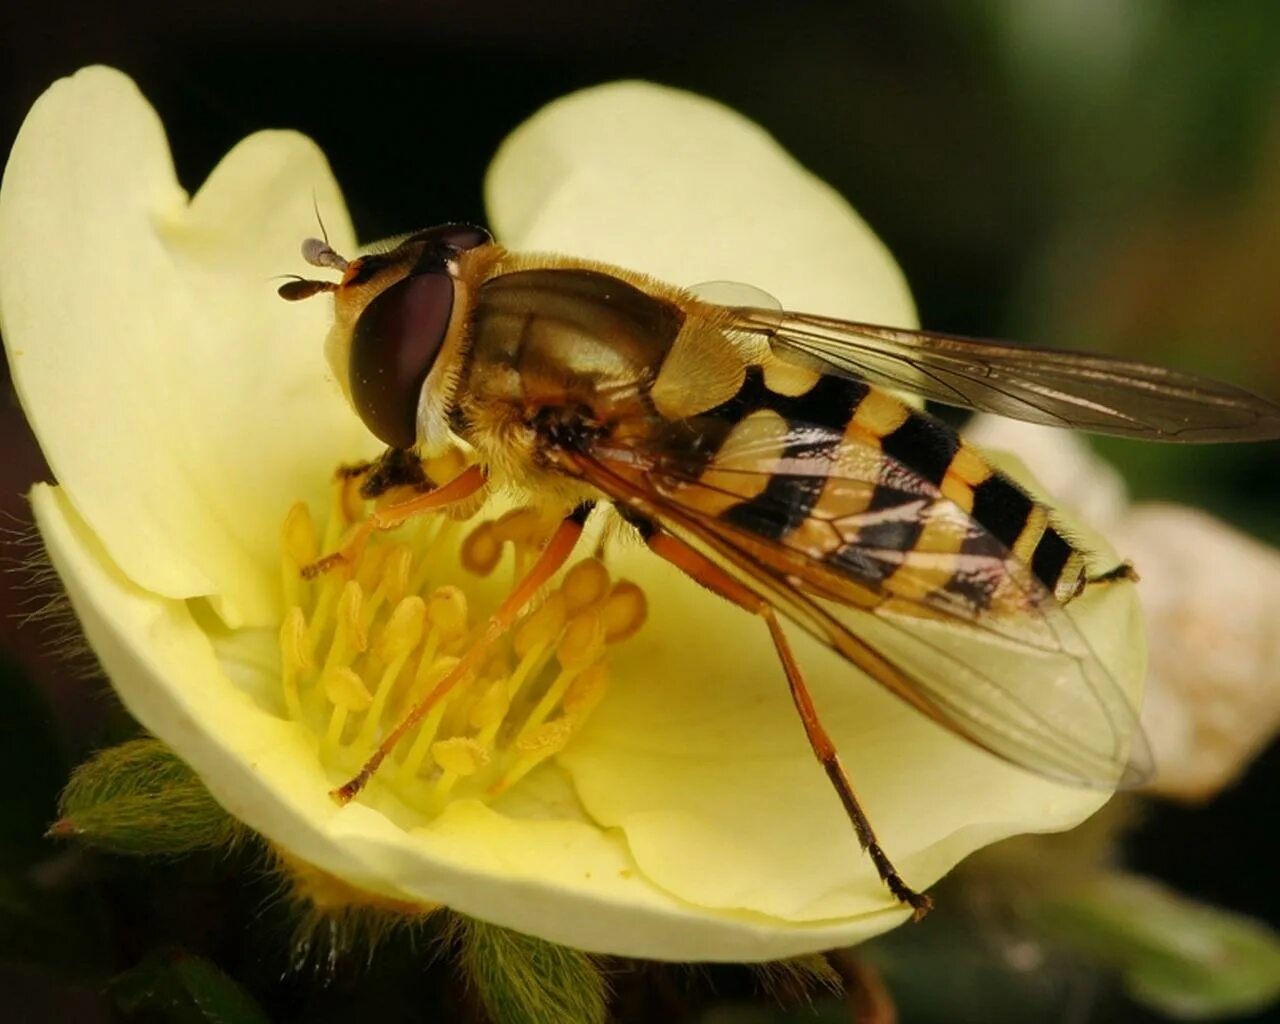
x=581, y=644
x=399, y=637
x=431, y=723
x=481, y=550
x=295, y=657
x=585, y=584
x=363, y=644
x=624, y=612
x=346, y=690
x=586, y=692
x=299, y=546
x=533, y=750
x=457, y=757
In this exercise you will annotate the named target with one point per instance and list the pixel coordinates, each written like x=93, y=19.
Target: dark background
x=1101, y=175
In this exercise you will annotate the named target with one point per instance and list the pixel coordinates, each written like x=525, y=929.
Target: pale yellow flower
x=184, y=408
x=1211, y=601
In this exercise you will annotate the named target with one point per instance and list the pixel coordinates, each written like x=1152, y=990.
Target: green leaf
x=183, y=989
x=138, y=798
x=1184, y=958
x=523, y=980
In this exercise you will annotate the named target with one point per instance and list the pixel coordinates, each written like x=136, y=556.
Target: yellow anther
x=519, y=526
x=586, y=692
x=488, y=712
x=624, y=612
x=427, y=677
x=585, y=584
x=369, y=570
x=299, y=540
x=447, y=612
x=583, y=638
x=374, y=639
x=481, y=550
x=536, y=747
x=350, y=629
x=299, y=546
x=294, y=658
x=395, y=572
x=294, y=653
x=346, y=690
x=541, y=627
x=395, y=643
x=460, y=755
x=403, y=630
x=547, y=739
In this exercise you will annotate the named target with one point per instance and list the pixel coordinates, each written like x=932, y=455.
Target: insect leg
x=549, y=561
x=463, y=486
x=705, y=572
x=1123, y=571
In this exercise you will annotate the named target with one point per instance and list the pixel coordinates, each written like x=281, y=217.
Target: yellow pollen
x=519, y=526
x=585, y=584
x=347, y=690
x=535, y=748
x=583, y=638
x=362, y=645
x=460, y=755
x=482, y=550
x=299, y=546
x=624, y=612
x=447, y=612
x=294, y=657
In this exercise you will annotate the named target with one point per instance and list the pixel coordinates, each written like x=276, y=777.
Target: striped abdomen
x=855, y=479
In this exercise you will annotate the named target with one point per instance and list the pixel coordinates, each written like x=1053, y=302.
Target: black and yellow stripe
x=820, y=429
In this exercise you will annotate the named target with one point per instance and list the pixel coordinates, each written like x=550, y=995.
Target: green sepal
x=1186, y=959
x=139, y=798
x=523, y=980
x=179, y=988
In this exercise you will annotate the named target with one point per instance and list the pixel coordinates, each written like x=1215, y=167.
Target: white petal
x=1211, y=596
x=680, y=187
x=562, y=879
x=180, y=402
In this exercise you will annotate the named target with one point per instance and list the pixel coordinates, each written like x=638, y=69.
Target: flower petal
x=680, y=187
x=181, y=404
x=702, y=762
x=1211, y=596
x=559, y=878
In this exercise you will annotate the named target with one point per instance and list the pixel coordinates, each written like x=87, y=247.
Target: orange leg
x=704, y=571
x=552, y=557
x=466, y=484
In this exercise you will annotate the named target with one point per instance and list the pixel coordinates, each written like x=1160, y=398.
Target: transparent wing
x=960, y=629
x=1096, y=393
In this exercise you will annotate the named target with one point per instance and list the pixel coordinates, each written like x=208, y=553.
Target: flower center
x=362, y=644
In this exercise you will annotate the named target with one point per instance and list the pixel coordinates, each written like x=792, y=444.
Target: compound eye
x=394, y=344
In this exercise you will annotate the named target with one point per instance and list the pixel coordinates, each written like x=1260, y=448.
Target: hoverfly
x=764, y=454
